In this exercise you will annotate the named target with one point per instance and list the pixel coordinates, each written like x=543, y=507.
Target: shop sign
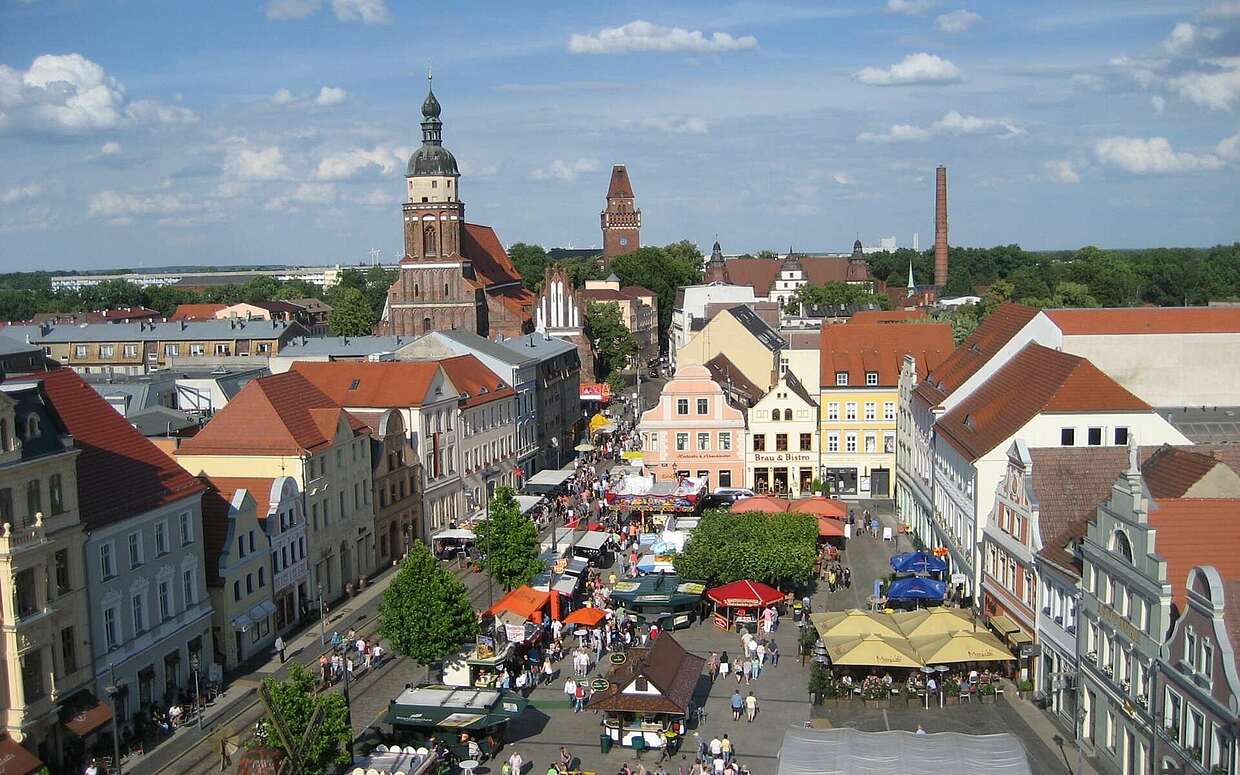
x=617, y=658
x=959, y=578
x=600, y=685
x=632, y=455
x=1030, y=650
x=783, y=457
x=595, y=391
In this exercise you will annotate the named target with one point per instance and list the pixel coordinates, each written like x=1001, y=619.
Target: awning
x=242, y=622
x=457, y=534
x=15, y=760
x=1003, y=624
x=262, y=610
x=89, y=720
x=1019, y=638
x=528, y=502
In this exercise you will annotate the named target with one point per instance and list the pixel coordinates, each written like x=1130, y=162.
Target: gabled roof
x=887, y=316
x=481, y=245
x=857, y=348
x=284, y=414
x=619, y=185
x=375, y=385
x=196, y=311
x=974, y=352
x=259, y=488
x=1196, y=531
x=1172, y=472
x=475, y=383
x=667, y=666
x=1146, y=320
x=1037, y=379
x=120, y=473
x=1069, y=483
x=749, y=320
x=216, y=508
x=730, y=378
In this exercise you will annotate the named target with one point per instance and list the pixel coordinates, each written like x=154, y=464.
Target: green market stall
x=449, y=712
x=660, y=598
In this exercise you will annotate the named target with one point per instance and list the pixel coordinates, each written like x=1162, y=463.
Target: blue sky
x=143, y=133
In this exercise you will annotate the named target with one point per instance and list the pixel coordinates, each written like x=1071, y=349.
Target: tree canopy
x=531, y=261
x=426, y=613
x=779, y=549
x=295, y=700
x=835, y=294
x=616, y=344
x=509, y=541
x=351, y=314
x=662, y=270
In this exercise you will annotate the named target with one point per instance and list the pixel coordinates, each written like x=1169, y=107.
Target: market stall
x=648, y=695
x=450, y=544
x=649, y=496
x=742, y=602
x=916, y=589
x=660, y=598
x=918, y=563
x=480, y=666
x=549, y=481
x=447, y=712
x=594, y=547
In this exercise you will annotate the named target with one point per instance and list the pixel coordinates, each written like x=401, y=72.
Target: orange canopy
x=820, y=506
x=830, y=528
x=765, y=504
x=523, y=601
x=586, y=617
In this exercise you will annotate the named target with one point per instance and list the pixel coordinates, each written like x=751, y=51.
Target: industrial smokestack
x=940, y=226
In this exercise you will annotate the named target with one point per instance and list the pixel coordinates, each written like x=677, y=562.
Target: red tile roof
x=1038, y=379
x=858, y=348
x=196, y=311
x=119, y=472
x=477, y=383
x=1197, y=531
x=975, y=351
x=1172, y=471
x=259, y=488
x=283, y=414
x=216, y=505
x=887, y=316
x=1147, y=320
x=129, y=313
x=493, y=267
x=619, y=185
x=1070, y=482
x=380, y=385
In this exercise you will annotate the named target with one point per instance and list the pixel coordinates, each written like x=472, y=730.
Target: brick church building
x=455, y=275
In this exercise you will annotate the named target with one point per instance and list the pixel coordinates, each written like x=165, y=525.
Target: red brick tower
x=940, y=226
x=621, y=220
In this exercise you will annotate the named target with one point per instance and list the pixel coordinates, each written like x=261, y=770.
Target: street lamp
x=194, y=660
x=112, y=692
x=322, y=619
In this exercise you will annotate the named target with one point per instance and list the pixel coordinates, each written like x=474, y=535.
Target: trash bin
x=604, y=743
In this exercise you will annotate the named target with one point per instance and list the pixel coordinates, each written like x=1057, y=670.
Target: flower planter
x=987, y=699
x=877, y=703
x=952, y=699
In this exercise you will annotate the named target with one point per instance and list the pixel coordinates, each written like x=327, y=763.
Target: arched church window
x=1121, y=546
x=775, y=415
x=787, y=415
x=429, y=247
x=426, y=325
x=445, y=290
x=416, y=291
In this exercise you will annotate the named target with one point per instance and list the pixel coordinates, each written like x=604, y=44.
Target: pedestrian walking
x=579, y=697
x=727, y=748
x=755, y=667
x=280, y=648
x=724, y=665
x=773, y=648
x=737, y=704
x=751, y=707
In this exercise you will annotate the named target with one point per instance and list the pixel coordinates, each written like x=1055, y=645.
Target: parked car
x=726, y=496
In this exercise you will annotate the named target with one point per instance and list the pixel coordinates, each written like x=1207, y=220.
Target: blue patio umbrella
x=916, y=588
x=917, y=562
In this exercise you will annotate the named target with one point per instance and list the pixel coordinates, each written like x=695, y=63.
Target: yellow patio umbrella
x=854, y=622
x=598, y=421
x=964, y=646
x=872, y=651
x=933, y=621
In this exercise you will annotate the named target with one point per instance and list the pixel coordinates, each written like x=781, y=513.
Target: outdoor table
x=468, y=766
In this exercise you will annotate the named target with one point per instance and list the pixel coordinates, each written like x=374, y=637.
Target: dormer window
x=32, y=426
x=871, y=378
x=841, y=378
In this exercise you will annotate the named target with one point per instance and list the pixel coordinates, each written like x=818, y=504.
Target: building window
x=850, y=410
x=107, y=563
x=889, y=410
x=841, y=378
x=188, y=588
x=161, y=539
x=111, y=630
x=56, y=494
x=871, y=410
x=1206, y=666
x=68, y=649
x=781, y=442
x=725, y=441
x=682, y=442
x=833, y=410
x=850, y=442
x=165, y=602
x=682, y=406
x=249, y=583
x=833, y=442
x=172, y=350
x=1121, y=437
x=1095, y=437
x=871, y=378
x=34, y=500
x=703, y=406
x=107, y=350
x=871, y=443
x=139, y=613
x=236, y=590
x=889, y=443
x=64, y=584
x=187, y=529
x=429, y=248
x=130, y=351
x=806, y=441
x=703, y=442
x=759, y=442
x=135, y=550
x=1067, y=437
x=80, y=351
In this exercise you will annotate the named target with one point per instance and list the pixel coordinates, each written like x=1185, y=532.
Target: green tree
x=767, y=254
x=960, y=282
x=299, y=289
x=296, y=700
x=834, y=294
x=662, y=270
x=426, y=613
x=724, y=547
x=614, y=342
x=378, y=282
x=531, y=261
x=263, y=288
x=509, y=542
x=351, y=278
x=351, y=314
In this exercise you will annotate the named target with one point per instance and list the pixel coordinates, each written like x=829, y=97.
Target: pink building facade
x=694, y=431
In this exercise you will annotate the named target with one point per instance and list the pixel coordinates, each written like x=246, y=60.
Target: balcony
x=14, y=540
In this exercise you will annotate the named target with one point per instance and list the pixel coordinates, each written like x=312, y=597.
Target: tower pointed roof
x=432, y=159
x=620, y=187
x=911, y=285
x=716, y=253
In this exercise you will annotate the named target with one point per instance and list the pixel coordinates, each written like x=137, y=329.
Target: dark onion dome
x=432, y=159
x=430, y=106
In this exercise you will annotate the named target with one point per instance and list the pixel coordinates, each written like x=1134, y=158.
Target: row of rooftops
x=144, y=331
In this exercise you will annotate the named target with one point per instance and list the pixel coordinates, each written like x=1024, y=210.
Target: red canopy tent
x=586, y=617
x=742, y=599
x=821, y=507
x=765, y=504
x=830, y=528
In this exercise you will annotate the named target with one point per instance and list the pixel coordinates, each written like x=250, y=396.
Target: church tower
x=716, y=266
x=621, y=220
x=436, y=289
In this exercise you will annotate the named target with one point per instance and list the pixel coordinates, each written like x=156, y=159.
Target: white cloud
x=1158, y=103
x=374, y=198
x=283, y=10
x=1185, y=37
x=1228, y=9
x=909, y=7
x=283, y=97
x=961, y=124
x=674, y=125
x=114, y=205
x=957, y=21
x=364, y=11
x=920, y=68
x=1154, y=155
x=1061, y=171
x=71, y=94
x=247, y=163
x=1088, y=81
x=1216, y=89
x=305, y=193
x=329, y=96
x=842, y=178
x=110, y=148
x=356, y=162
x=1229, y=148
x=565, y=171
x=899, y=133
x=20, y=193
x=643, y=36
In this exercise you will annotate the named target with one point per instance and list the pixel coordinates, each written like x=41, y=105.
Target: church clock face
x=624, y=242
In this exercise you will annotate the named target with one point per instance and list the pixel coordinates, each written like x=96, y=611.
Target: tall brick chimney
x=940, y=226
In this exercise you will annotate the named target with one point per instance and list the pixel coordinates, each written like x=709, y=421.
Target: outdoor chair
x=965, y=695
